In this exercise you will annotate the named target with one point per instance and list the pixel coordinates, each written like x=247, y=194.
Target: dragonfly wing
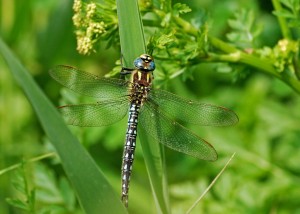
x=191, y=111
x=88, y=84
x=174, y=135
x=98, y=114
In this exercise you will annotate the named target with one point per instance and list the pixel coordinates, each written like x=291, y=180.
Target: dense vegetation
x=238, y=54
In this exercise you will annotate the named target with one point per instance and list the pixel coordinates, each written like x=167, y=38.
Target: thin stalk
x=248, y=59
x=15, y=166
x=210, y=185
x=282, y=22
x=296, y=64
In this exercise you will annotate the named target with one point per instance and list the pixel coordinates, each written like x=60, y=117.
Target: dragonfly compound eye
x=145, y=63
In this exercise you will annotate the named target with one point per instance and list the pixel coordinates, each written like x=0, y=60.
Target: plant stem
x=210, y=185
x=15, y=166
x=291, y=81
x=282, y=22
x=236, y=55
x=245, y=58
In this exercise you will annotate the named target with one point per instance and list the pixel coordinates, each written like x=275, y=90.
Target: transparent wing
x=88, y=84
x=191, y=111
x=98, y=114
x=174, y=135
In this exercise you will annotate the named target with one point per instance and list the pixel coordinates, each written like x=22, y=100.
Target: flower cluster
x=90, y=25
x=280, y=55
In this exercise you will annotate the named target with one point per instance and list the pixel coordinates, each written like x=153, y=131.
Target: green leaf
x=17, y=203
x=181, y=9
x=244, y=29
x=289, y=3
x=131, y=31
x=284, y=13
x=67, y=192
x=94, y=192
x=45, y=183
x=132, y=45
x=156, y=171
x=19, y=182
x=26, y=197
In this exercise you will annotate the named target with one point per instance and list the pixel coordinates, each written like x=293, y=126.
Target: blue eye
x=144, y=63
x=151, y=66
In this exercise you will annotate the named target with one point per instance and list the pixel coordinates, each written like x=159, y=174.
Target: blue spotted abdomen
x=129, y=147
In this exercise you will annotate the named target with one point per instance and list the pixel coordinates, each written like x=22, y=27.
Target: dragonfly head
x=145, y=63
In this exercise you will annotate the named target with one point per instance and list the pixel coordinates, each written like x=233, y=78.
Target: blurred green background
x=262, y=178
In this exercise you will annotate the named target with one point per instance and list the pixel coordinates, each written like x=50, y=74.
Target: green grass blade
x=210, y=185
x=93, y=191
x=132, y=45
x=131, y=31
x=156, y=171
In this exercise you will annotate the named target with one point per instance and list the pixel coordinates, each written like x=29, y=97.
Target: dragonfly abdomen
x=129, y=148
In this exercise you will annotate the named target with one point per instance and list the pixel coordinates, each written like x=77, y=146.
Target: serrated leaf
x=235, y=24
x=46, y=188
x=179, y=8
x=17, y=203
x=232, y=36
x=163, y=40
x=245, y=30
x=284, y=13
x=289, y=3
x=19, y=182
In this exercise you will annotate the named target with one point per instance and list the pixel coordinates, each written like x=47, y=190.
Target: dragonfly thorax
x=144, y=63
x=139, y=93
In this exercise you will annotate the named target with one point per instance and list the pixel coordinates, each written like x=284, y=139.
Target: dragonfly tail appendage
x=129, y=148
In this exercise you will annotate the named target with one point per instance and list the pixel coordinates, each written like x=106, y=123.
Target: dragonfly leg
x=125, y=71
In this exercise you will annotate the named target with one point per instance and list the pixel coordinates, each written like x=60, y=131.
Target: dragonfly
x=159, y=113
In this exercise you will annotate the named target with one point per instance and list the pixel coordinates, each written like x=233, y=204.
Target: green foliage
x=180, y=43
x=281, y=55
x=190, y=41
x=290, y=11
x=244, y=29
x=26, y=201
x=40, y=192
x=179, y=8
x=93, y=21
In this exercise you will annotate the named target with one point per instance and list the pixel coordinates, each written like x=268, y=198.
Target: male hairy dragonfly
x=157, y=111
